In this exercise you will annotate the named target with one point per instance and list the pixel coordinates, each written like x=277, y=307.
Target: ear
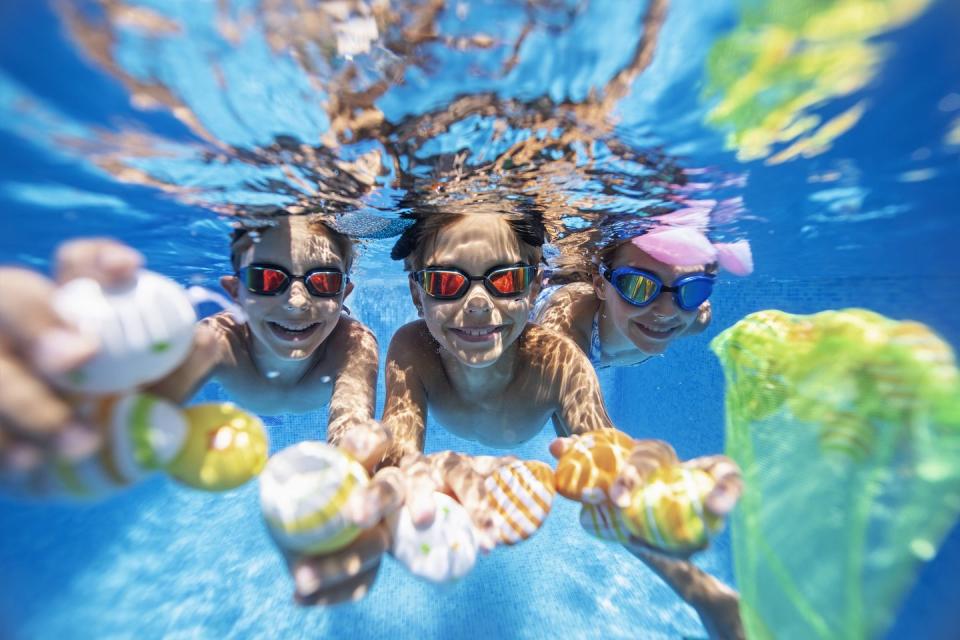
x=598, y=287
x=347, y=290
x=415, y=296
x=231, y=284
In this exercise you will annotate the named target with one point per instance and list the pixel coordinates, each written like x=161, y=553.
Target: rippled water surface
x=825, y=132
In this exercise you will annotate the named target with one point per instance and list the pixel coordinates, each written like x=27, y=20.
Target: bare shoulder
x=545, y=345
x=229, y=334
x=412, y=338
x=569, y=309
x=351, y=333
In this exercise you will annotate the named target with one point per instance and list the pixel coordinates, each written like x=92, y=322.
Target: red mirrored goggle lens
x=264, y=280
x=511, y=281
x=324, y=283
x=442, y=284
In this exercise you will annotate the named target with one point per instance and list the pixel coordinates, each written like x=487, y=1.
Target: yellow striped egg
x=520, y=495
x=591, y=464
x=604, y=521
x=667, y=510
x=303, y=491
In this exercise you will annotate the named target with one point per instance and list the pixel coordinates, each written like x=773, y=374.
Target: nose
x=298, y=298
x=664, y=306
x=478, y=300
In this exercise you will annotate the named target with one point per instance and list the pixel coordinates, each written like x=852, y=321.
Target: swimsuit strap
x=595, y=349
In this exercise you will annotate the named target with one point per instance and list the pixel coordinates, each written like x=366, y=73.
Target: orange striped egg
x=589, y=467
x=520, y=495
x=604, y=521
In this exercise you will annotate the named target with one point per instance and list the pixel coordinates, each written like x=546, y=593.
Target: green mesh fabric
x=847, y=427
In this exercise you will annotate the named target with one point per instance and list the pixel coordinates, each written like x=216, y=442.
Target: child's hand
x=36, y=421
x=704, y=315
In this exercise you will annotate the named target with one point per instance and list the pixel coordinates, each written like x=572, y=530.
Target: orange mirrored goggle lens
x=450, y=285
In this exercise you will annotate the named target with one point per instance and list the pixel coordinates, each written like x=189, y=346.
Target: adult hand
x=37, y=422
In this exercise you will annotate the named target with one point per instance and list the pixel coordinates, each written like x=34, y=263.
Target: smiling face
x=653, y=327
x=293, y=324
x=478, y=328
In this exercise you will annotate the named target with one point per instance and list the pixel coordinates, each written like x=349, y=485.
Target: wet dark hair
x=525, y=219
x=241, y=239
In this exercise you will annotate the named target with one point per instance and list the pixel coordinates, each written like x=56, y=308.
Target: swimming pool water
x=162, y=561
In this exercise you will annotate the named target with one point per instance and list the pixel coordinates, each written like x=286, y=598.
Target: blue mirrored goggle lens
x=693, y=293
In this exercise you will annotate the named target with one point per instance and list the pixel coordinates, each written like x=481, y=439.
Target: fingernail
x=306, y=580
x=60, y=350
x=77, y=442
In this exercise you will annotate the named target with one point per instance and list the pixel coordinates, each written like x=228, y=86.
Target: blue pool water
x=866, y=220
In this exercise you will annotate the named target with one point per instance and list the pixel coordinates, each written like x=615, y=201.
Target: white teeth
x=478, y=332
x=293, y=327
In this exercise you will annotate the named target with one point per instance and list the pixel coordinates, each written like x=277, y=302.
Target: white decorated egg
x=144, y=330
x=303, y=491
x=442, y=551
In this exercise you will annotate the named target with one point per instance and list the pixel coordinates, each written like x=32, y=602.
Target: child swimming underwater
x=645, y=293
x=490, y=376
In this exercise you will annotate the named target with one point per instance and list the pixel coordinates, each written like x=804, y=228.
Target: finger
x=486, y=465
x=315, y=573
x=384, y=495
x=106, y=261
x=366, y=442
x=351, y=590
x=463, y=482
x=560, y=446
x=421, y=484
x=717, y=466
x=30, y=327
x=649, y=455
x=623, y=486
x=27, y=405
x=724, y=496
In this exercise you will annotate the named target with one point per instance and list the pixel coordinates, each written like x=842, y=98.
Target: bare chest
x=250, y=389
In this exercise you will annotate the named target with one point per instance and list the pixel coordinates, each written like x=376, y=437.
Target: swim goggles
x=640, y=288
x=450, y=283
x=273, y=280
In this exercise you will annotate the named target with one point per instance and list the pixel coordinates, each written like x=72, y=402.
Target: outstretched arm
x=405, y=412
x=355, y=388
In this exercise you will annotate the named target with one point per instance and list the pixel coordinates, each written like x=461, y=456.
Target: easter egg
x=142, y=434
x=144, y=330
x=224, y=447
x=604, y=521
x=519, y=495
x=442, y=551
x=591, y=464
x=667, y=510
x=303, y=490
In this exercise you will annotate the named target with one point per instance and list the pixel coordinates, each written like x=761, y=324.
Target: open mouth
x=291, y=331
x=478, y=334
x=656, y=333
